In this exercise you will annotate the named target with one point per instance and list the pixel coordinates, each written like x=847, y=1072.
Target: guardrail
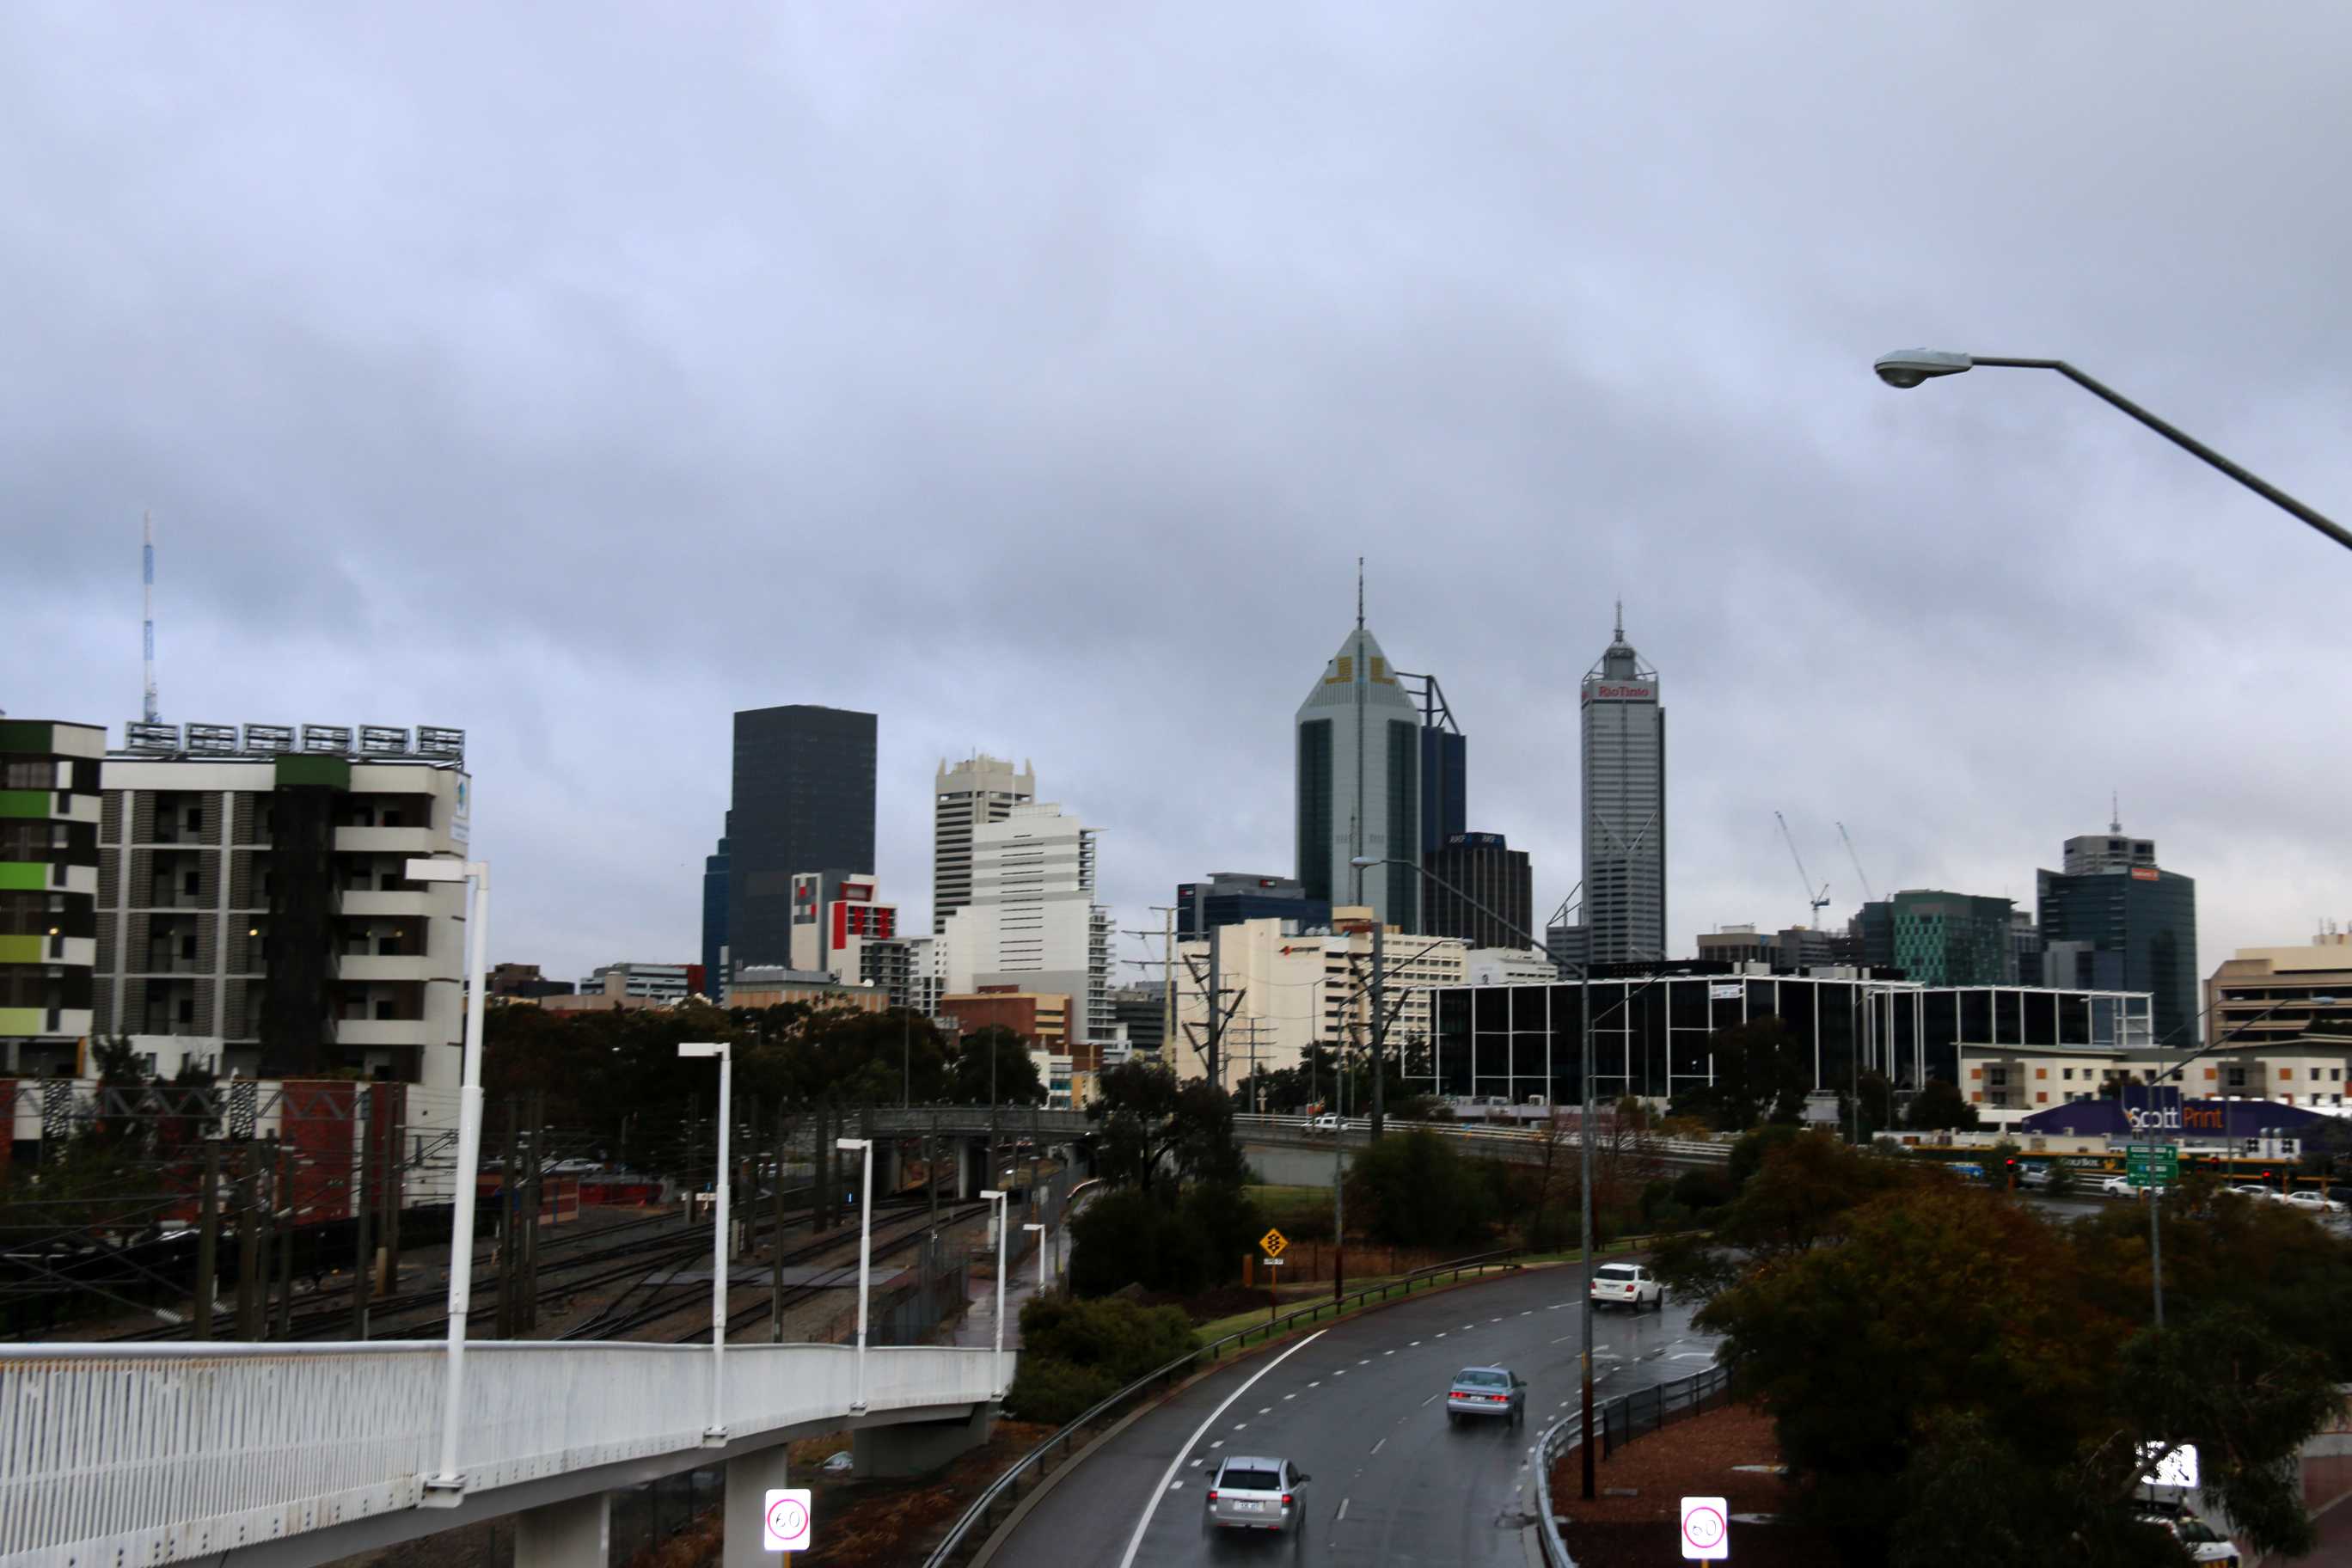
x=980, y=1518
x=158, y=1453
x=1619, y=1422
x=1513, y=1137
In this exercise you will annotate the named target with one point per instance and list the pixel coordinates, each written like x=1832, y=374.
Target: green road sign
x=2151, y=1164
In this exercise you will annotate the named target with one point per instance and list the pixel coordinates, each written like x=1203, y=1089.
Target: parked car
x=2034, y=1177
x=2255, y=1190
x=1255, y=1494
x=1627, y=1285
x=2205, y=1544
x=2313, y=1202
x=1480, y=1391
x=1327, y=1124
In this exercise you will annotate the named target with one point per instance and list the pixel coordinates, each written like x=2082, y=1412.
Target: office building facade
x=2137, y=919
x=1033, y=923
x=1953, y=939
x=978, y=790
x=1650, y=1032
x=660, y=982
x=1469, y=869
x=1624, y=755
x=49, y=809
x=803, y=801
x=1229, y=897
x=1359, y=753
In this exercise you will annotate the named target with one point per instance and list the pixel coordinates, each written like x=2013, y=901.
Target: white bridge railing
x=155, y=1454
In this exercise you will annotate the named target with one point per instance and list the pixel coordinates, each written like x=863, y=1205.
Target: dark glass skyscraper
x=2131, y=914
x=714, y=915
x=803, y=801
x=1489, y=872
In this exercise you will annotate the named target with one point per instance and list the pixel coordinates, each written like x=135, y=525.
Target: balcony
x=384, y=1032
x=422, y=901
x=386, y=841
x=387, y=966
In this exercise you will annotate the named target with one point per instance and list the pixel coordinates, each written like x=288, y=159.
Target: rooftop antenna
x=2114, y=814
x=1359, y=593
x=147, y=603
x=1621, y=620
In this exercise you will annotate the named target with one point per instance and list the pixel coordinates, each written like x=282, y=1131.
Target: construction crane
x=1820, y=901
x=1859, y=874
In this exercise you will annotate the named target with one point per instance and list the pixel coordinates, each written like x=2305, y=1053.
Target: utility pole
x=248, y=1245
x=208, y=1240
x=1379, y=1026
x=360, y=1216
x=776, y=1264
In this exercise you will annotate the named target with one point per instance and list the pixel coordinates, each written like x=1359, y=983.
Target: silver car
x=1480, y=1391
x=1256, y=1494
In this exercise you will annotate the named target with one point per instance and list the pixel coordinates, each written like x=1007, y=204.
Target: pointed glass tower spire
x=1358, y=781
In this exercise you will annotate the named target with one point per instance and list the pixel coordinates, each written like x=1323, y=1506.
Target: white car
x=2121, y=1187
x=1627, y=1285
x=1324, y=1125
x=2315, y=1203
x=2256, y=1190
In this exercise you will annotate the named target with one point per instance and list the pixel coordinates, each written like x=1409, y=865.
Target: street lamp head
x=853, y=1143
x=1033, y=1227
x=1909, y=367
x=702, y=1048
x=1362, y=861
x=437, y=870
x=993, y=1195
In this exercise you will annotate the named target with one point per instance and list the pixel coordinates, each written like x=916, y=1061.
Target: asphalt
x=1360, y=1408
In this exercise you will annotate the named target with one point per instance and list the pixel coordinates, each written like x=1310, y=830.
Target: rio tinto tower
x=1624, y=807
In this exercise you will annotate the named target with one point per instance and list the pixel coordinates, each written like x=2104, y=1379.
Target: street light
x=446, y=1489
x=715, y=1434
x=1040, y=1229
x=1906, y=368
x=998, y=1197
x=865, y=1250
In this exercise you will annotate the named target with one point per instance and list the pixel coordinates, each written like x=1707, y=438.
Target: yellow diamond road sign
x=1274, y=1241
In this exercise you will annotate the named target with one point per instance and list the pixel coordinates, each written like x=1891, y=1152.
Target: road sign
x=785, y=1526
x=1274, y=1242
x=2151, y=1164
x=1706, y=1532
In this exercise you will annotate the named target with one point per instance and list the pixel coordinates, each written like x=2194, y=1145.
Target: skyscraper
x=803, y=801
x=2117, y=920
x=714, y=915
x=1032, y=920
x=1624, y=808
x=1489, y=872
x=977, y=790
x=1358, y=782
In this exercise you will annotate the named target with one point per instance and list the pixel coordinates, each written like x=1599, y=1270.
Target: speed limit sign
x=1706, y=1529
x=785, y=1525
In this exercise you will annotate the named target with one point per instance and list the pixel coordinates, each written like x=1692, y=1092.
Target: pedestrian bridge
x=293, y=1454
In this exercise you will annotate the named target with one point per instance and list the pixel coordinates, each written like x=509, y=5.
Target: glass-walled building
x=1650, y=1032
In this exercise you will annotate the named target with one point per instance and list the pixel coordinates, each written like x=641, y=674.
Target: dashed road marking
x=1343, y=1511
x=1290, y=1397
x=1416, y=1342
x=1218, y=1444
x=1240, y=1425
x=1316, y=1383
x=1379, y=1445
x=1175, y=1486
x=1265, y=1410
x=1197, y=1463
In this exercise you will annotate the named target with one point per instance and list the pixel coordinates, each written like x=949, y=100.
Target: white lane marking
x=1342, y=1513
x=1379, y=1445
x=1290, y=1397
x=1441, y=1334
x=1316, y=1383
x=1494, y=1319
x=1175, y=1486
x=1526, y=1312
x=1339, y=1371
x=1392, y=1352
x=1240, y=1425
x=1218, y=1444
x=1265, y=1410
x=1425, y=1404
x=1135, y=1541
x=1416, y=1342
x=1366, y=1361
x=1690, y=1355
x=1197, y=1463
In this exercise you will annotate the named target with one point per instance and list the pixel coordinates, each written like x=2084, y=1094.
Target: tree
x=998, y=1049
x=1940, y=1107
x=1151, y=1127
x=1415, y=1189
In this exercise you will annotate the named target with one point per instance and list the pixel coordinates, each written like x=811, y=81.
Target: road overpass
x=1283, y=1151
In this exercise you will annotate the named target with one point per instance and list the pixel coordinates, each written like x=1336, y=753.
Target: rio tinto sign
x=1603, y=692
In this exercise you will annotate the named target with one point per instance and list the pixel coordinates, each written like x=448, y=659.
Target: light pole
x=997, y=1196
x=714, y=1436
x=865, y=1250
x=1040, y=1229
x=446, y=1489
x=1908, y=367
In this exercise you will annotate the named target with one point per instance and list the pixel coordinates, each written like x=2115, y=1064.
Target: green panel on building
x=25, y=803
x=335, y=772
x=23, y=1021
x=22, y=876
x=20, y=948
x=27, y=735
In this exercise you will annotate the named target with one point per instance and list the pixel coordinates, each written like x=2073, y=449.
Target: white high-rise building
x=978, y=790
x=1624, y=808
x=1032, y=920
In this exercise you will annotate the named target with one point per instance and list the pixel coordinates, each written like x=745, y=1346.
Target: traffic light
x=2011, y=1183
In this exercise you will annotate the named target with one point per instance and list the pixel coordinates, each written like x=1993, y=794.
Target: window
x=2040, y=1072
x=1478, y=1377
x=2069, y=1075
x=1236, y=1478
x=384, y=1011
x=2042, y=1097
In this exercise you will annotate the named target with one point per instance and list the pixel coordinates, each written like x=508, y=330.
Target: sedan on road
x=1480, y=1391
x=1627, y=1285
x=1256, y=1494
x=2313, y=1202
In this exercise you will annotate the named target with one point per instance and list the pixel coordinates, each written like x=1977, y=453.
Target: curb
x=1003, y=1533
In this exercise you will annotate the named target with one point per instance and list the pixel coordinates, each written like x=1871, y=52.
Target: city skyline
x=442, y=444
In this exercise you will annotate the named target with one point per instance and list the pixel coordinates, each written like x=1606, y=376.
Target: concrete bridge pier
x=574, y=1533
x=749, y=1477
x=913, y=1448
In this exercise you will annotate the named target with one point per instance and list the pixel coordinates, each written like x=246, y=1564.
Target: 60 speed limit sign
x=1706, y=1530
x=785, y=1525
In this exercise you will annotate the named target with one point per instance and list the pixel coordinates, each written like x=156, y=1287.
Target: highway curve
x=1359, y=1407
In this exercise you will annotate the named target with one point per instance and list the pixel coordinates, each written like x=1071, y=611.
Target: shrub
x=1113, y=1336
x=1417, y=1190
x=1056, y=1392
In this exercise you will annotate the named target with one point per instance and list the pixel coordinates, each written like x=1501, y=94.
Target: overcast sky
x=1032, y=375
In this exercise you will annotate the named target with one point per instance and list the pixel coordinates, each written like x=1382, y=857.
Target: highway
x=1359, y=1407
